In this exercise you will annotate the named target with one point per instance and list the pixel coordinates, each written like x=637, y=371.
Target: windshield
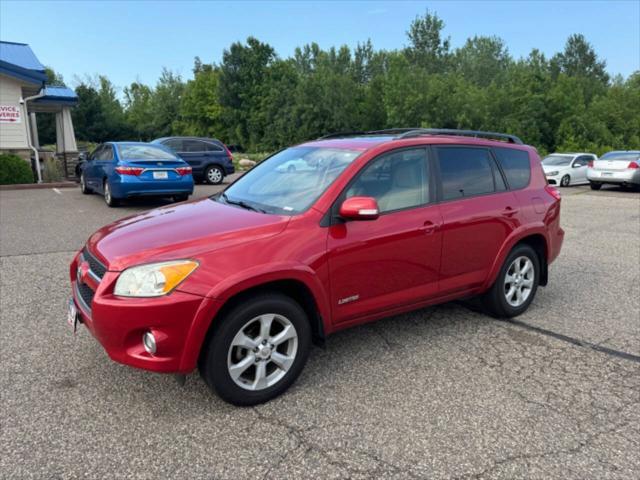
x=144, y=152
x=626, y=156
x=290, y=181
x=557, y=160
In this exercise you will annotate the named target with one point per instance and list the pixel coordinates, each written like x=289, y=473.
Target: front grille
x=85, y=293
x=94, y=264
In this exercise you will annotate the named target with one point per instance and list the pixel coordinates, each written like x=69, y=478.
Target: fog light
x=149, y=342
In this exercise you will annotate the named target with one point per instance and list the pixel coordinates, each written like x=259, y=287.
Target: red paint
x=357, y=271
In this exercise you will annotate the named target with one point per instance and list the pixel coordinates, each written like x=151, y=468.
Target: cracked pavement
x=443, y=392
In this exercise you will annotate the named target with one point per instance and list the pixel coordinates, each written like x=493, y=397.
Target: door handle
x=508, y=212
x=429, y=227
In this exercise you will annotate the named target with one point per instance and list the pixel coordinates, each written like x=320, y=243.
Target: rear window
x=466, y=172
x=516, y=166
x=144, y=152
x=627, y=156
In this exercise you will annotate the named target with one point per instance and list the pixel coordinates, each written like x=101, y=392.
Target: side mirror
x=359, y=208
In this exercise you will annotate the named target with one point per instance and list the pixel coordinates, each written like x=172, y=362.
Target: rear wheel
x=565, y=181
x=258, y=350
x=83, y=185
x=108, y=195
x=516, y=285
x=595, y=186
x=214, y=175
x=180, y=198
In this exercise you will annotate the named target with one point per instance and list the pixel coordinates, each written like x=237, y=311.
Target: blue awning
x=59, y=95
x=18, y=60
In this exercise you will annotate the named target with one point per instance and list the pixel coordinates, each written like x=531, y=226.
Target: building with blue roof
x=23, y=93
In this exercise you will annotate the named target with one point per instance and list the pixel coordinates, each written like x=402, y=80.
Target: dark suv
x=209, y=158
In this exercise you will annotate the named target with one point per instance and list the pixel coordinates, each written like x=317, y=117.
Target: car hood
x=183, y=230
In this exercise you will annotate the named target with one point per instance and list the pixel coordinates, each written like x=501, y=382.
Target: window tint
x=211, y=147
x=516, y=166
x=174, y=144
x=193, y=146
x=466, y=172
x=396, y=180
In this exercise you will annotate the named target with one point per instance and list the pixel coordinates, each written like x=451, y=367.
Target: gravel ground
x=443, y=392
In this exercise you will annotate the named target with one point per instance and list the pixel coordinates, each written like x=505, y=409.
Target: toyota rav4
x=240, y=284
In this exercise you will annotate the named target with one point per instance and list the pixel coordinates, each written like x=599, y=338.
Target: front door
x=394, y=260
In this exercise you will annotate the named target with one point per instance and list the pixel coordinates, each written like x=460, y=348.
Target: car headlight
x=154, y=279
x=552, y=174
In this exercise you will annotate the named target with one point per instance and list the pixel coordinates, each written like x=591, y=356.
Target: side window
x=95, y=155
x=397, y=180
x=193, y=146
x=212, y=147
x=582, y=161
x=174, y=144
x=466, y=172
x=107, y=153
x=516, y=166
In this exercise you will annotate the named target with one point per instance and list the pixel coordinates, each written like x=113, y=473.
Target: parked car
x=617, y=168
x=120, y=170
x=241, y=283
x=209, y=158
x=566, y=169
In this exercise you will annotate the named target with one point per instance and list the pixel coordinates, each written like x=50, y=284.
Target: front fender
x=240, y=282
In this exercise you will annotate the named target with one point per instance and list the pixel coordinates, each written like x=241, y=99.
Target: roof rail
x=387, y=131
x=466, y=133
x=341, y=134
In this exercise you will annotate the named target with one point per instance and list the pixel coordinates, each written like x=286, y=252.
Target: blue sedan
x=120, y=170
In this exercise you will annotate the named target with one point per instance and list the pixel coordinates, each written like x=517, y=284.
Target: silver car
x=619, y=168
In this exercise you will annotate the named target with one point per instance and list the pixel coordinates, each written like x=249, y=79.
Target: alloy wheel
x=262, y=352
x=518, y=281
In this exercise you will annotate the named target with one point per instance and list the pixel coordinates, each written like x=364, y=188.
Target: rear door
x=478, y=213
x=89, y=169
x=394, y=260
x=103, y=165
x=195, y=153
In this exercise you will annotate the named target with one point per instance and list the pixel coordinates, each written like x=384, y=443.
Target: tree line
x=257, y=100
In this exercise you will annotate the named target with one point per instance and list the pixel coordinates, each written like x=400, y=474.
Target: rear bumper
x=229, y=169
x=614, y=176
x=135, y=187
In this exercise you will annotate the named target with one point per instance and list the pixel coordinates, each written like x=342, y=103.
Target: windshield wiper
x=242, y=204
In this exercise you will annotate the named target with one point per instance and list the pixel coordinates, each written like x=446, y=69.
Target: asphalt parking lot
x=443, y=392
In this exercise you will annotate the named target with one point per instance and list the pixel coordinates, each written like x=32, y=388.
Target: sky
x=133, y=41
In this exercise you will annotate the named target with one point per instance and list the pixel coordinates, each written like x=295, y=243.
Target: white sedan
x=566, y=169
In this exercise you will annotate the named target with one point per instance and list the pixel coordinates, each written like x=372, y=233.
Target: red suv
x=323, y=236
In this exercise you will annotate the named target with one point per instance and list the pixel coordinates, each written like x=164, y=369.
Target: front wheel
x=83, y=185
x=108, y=196
x=516, y=285
x=214, y=175
x=565, y=181
x=595, y=186
x=258, y=350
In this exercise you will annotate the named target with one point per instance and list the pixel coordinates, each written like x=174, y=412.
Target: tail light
x=184, y=170
x=228, y=151
x=553, y=191
x=129, y=170
x=590, y=164
x=633, y=165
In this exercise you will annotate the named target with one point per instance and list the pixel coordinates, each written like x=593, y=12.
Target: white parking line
x=57, y=191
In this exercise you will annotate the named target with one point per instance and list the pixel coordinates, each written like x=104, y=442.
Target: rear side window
x=212, y=147
x=174, y=144
x=466, y=172
x=516, y=166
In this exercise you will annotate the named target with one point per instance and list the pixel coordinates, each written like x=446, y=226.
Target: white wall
x=12, y=135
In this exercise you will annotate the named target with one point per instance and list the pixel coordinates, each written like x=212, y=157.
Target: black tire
x=495, y=299
x=180, y=198
x=83, y=186
x=213, y=175
x=565, y=181
x=108, y=198
x=595, y=186
x=216, y=350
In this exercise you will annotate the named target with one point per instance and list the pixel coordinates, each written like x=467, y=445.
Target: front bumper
x=628, y=176
x=119, y=323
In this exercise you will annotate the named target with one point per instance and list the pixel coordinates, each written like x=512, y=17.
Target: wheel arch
x=537, y=239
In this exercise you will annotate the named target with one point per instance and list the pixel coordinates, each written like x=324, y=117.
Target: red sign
x=9, y=114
